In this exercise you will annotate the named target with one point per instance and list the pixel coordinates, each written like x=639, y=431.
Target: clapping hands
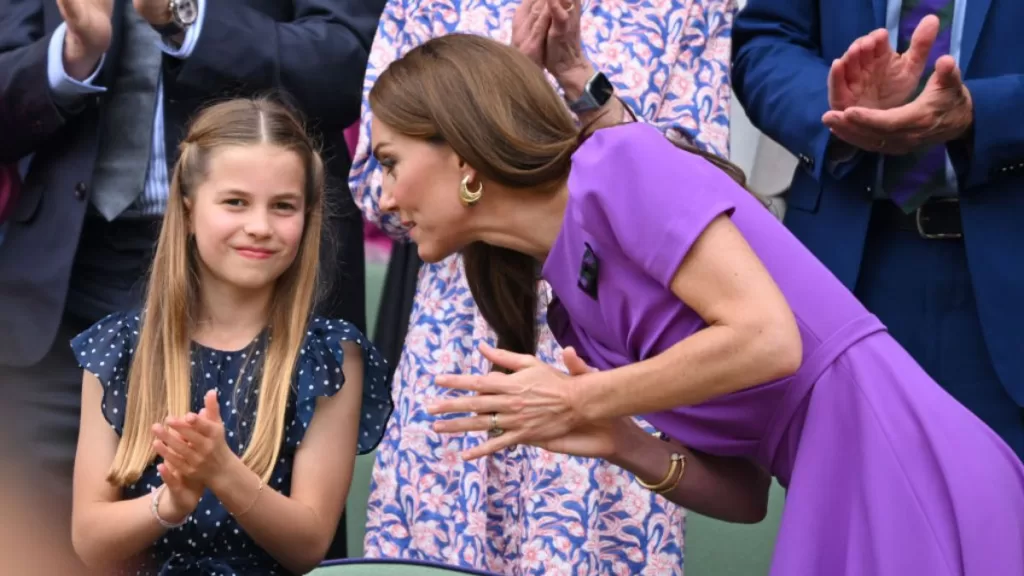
x=870, y=90
x=601, y=439
x=89, y=30
x=530, y=26
x=873, y=75
x=194, y=450
x=548, y=32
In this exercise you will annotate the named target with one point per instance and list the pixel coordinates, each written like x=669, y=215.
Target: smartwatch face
x=601, y=89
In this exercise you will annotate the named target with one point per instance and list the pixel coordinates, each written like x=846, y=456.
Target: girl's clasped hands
x=194, y=450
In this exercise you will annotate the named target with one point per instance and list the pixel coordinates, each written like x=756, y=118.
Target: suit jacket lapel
x=974, y=20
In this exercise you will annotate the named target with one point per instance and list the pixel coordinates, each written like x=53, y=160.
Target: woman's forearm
x=715, y=361
x=108, y=533
x=290, y=531
x=729, y=489
x=613, y=113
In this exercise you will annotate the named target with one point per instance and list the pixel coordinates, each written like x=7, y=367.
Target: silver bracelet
x=156, y=513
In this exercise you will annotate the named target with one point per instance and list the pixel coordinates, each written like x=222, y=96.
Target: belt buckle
x=919, y=222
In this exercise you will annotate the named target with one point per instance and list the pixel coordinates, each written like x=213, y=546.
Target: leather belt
x=937, y=219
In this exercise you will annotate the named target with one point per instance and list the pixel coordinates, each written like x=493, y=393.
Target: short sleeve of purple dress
x=886, y=473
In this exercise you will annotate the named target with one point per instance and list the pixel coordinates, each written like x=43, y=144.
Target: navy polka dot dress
x=211, y=542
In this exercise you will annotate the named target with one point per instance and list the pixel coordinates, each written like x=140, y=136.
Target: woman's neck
x=229, y=318
x=526, y=221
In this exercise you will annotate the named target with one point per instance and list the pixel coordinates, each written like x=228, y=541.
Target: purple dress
x=886, y=474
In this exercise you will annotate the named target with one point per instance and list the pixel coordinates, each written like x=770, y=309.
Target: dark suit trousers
x=921, y=290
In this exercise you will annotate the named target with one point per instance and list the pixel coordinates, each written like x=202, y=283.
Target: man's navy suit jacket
x=315, y=51
x=782, y=50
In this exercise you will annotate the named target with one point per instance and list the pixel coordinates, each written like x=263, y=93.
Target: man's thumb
x=947, y=74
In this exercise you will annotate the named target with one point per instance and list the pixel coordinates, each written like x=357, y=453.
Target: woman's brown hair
x=159, y=378
x=494, y=107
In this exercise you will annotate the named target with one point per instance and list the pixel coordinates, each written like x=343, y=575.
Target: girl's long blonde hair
x=159, y=379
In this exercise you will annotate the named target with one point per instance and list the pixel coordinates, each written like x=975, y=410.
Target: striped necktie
x=911, y=179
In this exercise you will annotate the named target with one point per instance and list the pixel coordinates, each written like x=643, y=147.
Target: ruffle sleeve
x=319, y=374
x=106, y=350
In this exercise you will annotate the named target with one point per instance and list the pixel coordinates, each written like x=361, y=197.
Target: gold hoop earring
x=470, y=197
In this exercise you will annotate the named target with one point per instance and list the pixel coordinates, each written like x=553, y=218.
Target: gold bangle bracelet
x=671, y=478
x=679, y=475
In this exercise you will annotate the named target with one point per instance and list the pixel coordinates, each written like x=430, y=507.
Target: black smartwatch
x=184, y=14
x=597, y=92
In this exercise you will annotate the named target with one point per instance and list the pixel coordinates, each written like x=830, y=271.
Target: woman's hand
x=530, y=29
x=548, y=31
x=563, y=51
x=602, y=440
x=195, y=446
x=532, y=406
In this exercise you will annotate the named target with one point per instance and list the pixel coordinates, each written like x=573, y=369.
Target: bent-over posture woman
x=704, y=314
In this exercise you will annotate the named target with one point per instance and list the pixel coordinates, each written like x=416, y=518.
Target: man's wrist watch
x=183, y=15
x=596, y=93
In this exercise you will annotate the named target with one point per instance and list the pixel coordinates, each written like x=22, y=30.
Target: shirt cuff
x=66, y=90
x=840, y=157
x=191, y=37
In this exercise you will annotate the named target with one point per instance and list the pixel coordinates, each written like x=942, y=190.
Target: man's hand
x=943, y=112
x=88, y=34
x=872, y=75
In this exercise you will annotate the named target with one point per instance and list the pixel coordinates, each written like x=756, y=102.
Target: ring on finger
x=496, y=429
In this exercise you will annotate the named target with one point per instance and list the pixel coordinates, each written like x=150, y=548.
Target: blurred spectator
x=31, y=539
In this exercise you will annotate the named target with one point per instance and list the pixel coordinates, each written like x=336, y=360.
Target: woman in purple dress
x=703, y=314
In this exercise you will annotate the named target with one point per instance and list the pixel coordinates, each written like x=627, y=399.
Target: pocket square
x=588, y=272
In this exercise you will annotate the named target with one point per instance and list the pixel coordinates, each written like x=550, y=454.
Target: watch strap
x=170, y=29
x=585, y=103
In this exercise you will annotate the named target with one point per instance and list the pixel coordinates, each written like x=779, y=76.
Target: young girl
x=232, y=416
